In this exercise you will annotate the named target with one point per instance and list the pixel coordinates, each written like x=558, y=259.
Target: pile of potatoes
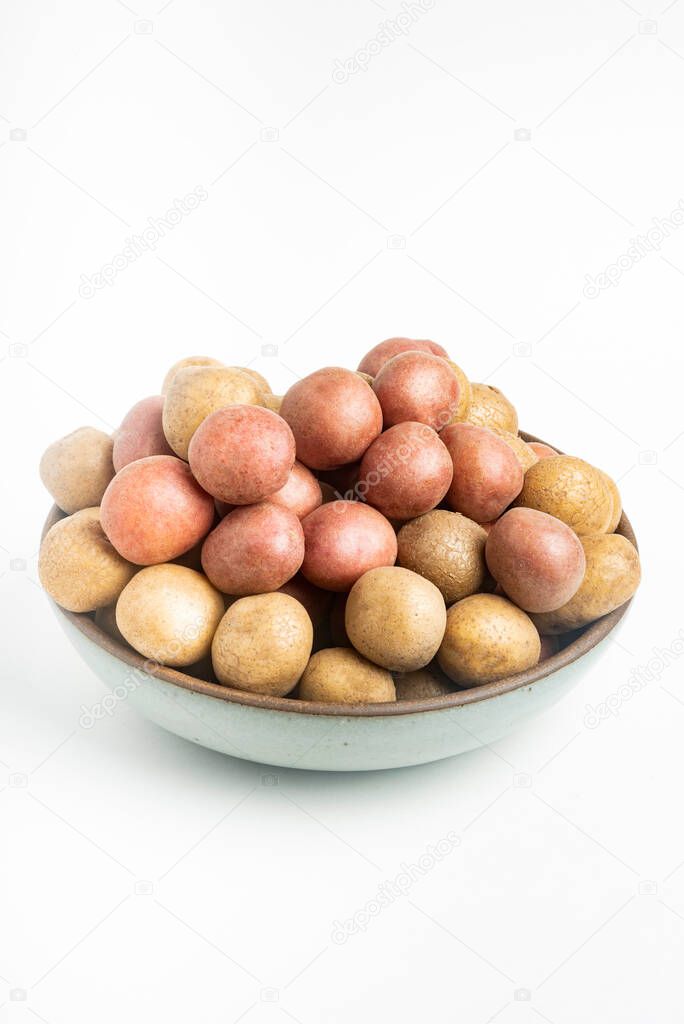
x=373, y=535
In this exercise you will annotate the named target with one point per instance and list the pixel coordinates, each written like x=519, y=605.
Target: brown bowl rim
x=593, y=635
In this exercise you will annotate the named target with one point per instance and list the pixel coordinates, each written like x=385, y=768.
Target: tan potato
x=487, y=638
x=395, y=618
x=79, y=567
x=264, y=386
x=263, y=644
x=614, y=492
x=571, y=490
x=339, y=675
x=169, y=614
x=526, y=456
x=272, y=402
x=365, y=376
x=77, y=469
x=536, y=558
x=195, y=392
x=446, y=548
x=612, y=577
x=465, y=394
x=422, y=684
x=183, y=363
x=489, y=407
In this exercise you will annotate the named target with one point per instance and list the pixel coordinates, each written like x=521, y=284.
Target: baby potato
x=78, y=566
x=536, y=558
x=301, y=492
x=422, y=684
x=242, y=454
x=465, y=394
x=344, y=539
x=541, y=450
x=169, y=614
x=334, y=417
x=612, y=576
x=263, y=644
x=195, y=392
x=417, y=387
x=487, y=473
x=569, y=489
x=264, y=386
x=616, y=497
x=373, y=361
x=338, y=675
x=487, y=638
x=141, y=433
x=183, y=363
x=395, y=618
x=254, y=550
x=489, y=407
x=77, y=469
x=446, y=548
x=405, y=472
x=272, y=402
x=154, y=510
x=526, y=456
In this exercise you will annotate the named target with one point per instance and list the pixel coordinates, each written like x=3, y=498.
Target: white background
x=565, y=898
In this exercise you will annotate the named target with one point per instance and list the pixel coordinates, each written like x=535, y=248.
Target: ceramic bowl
x=329, y=737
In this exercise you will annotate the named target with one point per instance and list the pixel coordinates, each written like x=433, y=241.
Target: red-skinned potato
x=242, y=454
x=334, y=417
x=417, y=386
x=487, y=473
x=254, y=550
x=374, y=360
x=141, y=433
x=301, y=492
x=345, y=539
x=154, y=510
x=536, y=558
x=405, y=472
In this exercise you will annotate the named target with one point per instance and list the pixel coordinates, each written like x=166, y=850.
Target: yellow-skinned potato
x=341, y=675
x=195, y=392
x=183, y=363
x=526, y=455
x=263, y=644
x=79, y=567
x=257, y=377
x=169, y=614
x=422, y=684
x=489, y=407
x=617, y=502
x=465, y=396
x=487, y=638
x=611, y=578
x=395, y=618
x=571, y=490
x=76, y=470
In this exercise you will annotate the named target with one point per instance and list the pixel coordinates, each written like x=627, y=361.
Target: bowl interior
x=584, y=641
